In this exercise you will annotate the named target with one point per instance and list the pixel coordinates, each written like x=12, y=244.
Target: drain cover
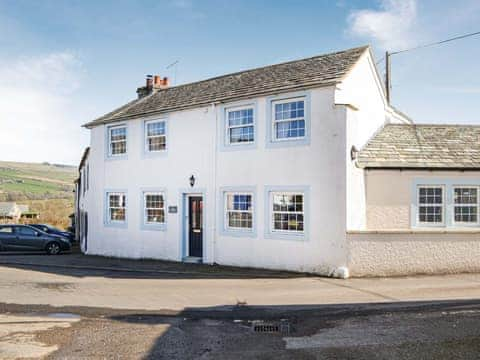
x=281, y=326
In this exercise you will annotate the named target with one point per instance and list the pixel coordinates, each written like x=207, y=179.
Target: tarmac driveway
x=127, y=309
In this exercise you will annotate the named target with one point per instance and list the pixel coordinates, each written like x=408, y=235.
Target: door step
x=192, y=260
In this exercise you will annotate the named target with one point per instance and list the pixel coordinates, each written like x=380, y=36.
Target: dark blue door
x=195, y=227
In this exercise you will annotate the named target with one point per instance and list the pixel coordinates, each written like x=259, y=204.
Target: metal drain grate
x=282, y=327
x=266, y=328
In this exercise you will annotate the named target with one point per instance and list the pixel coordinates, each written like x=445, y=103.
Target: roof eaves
x=272, y=91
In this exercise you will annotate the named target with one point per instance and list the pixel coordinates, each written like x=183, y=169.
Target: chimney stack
x=153, y=83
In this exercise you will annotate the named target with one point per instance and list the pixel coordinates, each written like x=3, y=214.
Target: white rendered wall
x=365, y=115
x=192, y=149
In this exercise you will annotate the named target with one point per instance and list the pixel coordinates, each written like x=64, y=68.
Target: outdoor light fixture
x=192, y=180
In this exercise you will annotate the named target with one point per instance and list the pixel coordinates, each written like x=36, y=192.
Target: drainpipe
x=215, y=167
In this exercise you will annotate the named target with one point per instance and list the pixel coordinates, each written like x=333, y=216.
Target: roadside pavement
x=21, y=283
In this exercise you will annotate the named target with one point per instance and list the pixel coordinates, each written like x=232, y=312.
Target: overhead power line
x=436, y=43
x=388, y=54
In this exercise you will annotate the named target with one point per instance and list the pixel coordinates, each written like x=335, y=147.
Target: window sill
x=239, y=233
x=285, y=236
x=121, y=225
x=153, y=227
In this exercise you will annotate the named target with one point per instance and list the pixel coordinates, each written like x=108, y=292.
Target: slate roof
x=423, y=146
x=323, y=70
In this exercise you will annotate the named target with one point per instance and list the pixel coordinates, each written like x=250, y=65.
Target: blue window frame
x=154, y=209
x=115, y=210
x=287, y=212
x=237, y=211
x=288, y=120
x=240, y=126
x=117, y=140
x=155, y=136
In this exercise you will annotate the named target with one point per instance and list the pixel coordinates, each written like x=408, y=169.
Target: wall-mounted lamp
x=192, y=181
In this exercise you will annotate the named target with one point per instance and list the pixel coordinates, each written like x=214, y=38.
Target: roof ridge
x=264, y=67
x=319, y=70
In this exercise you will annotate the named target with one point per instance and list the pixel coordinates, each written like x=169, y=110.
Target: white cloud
x=36, y=123
x=390, y=27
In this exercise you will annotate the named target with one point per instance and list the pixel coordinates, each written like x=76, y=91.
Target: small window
x=288, y=212
x=25, y=231
x=155, y=136
x=6, y=230
x=431, y=205
x=154, y=208
x=117, y=136
x=116, y=207
x=239, y=211
x=465, y=205
x=240, y=126
x=289, y=119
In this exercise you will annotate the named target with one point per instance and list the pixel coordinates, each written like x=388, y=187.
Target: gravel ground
x=400, y=331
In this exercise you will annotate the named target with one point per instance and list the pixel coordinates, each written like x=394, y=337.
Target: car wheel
x=53, y=248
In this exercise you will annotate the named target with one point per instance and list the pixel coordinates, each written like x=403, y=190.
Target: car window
x=6, y=229
x=25, y=231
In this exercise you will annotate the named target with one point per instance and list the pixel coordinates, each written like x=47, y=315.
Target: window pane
x=156, y=128
x=240, y=220
x=288, y=212
x=240, y=117
x=430, y=214
x=155, y=215
x=430, y=195
x=118, y=134
x=465, y=196
x=241, y=134
x=290, y=129
x=117, y=214
x=157, y=143
x=154, y=201
x=466, y=214
x=118, y=147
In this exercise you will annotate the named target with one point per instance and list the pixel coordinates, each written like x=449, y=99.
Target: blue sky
x=63, y=63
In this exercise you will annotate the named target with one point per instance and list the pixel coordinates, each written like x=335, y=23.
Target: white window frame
x=109, y=208
x=227, y=211
x=228, y=127
x=164, y=208
x=146, y=136
x=273, y=212
x=110, y=142
x=274, y=121
x=442, y=205
x=454, y=205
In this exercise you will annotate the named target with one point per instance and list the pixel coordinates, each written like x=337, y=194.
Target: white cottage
x=254, y=168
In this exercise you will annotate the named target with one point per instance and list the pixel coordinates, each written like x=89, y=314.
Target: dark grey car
x=27, y=238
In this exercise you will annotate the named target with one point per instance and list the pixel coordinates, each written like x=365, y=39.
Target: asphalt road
x=94, y=308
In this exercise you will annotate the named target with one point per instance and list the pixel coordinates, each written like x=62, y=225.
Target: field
x=46, y=188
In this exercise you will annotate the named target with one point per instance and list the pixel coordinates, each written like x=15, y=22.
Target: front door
x=195, y=226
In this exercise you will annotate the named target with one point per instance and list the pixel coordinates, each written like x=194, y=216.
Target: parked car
x=49, y=229
x=28, y=238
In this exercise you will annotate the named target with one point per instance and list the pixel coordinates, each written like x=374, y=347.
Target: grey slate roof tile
x=316, y=71
x=423, y=146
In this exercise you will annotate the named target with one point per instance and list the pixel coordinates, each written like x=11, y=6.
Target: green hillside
x=30, y=181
